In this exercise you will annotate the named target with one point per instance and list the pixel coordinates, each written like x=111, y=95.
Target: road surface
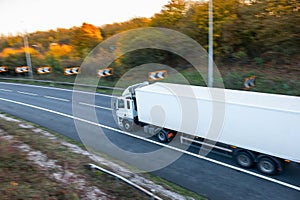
x=216, y=177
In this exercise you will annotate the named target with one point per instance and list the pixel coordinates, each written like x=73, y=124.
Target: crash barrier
x=118, y=177
x=63, y=83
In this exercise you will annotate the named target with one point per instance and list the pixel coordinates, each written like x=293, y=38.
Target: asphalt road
x=52, y=108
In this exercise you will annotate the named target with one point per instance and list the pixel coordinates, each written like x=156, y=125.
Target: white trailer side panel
x=265, y=123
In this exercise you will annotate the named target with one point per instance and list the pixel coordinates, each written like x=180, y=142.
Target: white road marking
x=157, y=143
x=59, y=99
x=27, y=93
x=86, y=104
x=5, y=90
x=61, y=89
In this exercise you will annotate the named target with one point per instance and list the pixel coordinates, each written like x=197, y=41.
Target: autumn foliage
x=245, y=32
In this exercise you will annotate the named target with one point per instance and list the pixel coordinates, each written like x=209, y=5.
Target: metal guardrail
x=63, y=83
x=148, y=193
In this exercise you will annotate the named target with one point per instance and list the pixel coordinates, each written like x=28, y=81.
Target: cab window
x=128, y=105
x=121, y=103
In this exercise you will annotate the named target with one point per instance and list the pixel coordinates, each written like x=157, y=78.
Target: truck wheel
x=127, y=125
x=244, y=159
x=267, y=166
x=161, y=135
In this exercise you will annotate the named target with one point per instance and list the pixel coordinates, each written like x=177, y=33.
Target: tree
x=85, y=38
x=269, y=26
x=14, y=60
x=170, y=15
x=59, y=51
x=109, y=30
x=15, y=42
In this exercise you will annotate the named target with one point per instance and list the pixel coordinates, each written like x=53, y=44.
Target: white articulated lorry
x=256, y=128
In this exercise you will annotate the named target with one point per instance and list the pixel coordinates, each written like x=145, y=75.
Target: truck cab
x=125, y=107
x=125, y=112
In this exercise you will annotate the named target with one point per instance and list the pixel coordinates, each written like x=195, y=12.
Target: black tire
x=244, y=159
x=127, y=125
x=267, y=166
x=162, y=136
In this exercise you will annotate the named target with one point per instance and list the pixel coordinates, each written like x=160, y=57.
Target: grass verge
x=24, y=178
x=269, y=79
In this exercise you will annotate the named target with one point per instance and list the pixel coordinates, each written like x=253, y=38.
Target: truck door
x=124, y=108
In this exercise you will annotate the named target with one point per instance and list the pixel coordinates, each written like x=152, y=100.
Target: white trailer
x=258, y=128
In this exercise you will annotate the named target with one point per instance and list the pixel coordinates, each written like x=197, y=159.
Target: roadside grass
x=173, y=187
x=33, y=182
x=25, y=180
x=279, y=80
x=33, y=175
x=20, y=179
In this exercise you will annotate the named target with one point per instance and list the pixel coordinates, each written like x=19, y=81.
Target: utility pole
x=210, y=44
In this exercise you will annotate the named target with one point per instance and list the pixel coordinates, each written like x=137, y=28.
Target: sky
x=19, y=16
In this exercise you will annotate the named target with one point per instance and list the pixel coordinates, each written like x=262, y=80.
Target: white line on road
x=5, y=90
x=27, y=93
x=61, y=89
x=55, y=98
x=94, y=106
x=157, y=143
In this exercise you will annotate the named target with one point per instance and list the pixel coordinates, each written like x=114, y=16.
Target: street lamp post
x=27, y=54
x=210, y=44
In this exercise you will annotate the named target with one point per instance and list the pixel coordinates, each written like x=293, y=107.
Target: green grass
x=270, y=79
x=174, y=187
x=24, y=178
x=20, y=179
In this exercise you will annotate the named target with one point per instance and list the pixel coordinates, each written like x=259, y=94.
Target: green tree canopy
x=85, y=38
x=170, y=14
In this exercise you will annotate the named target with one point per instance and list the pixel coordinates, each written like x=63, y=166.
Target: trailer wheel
x=162, y=136
x=267, y=166
x=244, y=159
x=127, y=125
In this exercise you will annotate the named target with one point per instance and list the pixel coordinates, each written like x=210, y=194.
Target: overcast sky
x=31, y=15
